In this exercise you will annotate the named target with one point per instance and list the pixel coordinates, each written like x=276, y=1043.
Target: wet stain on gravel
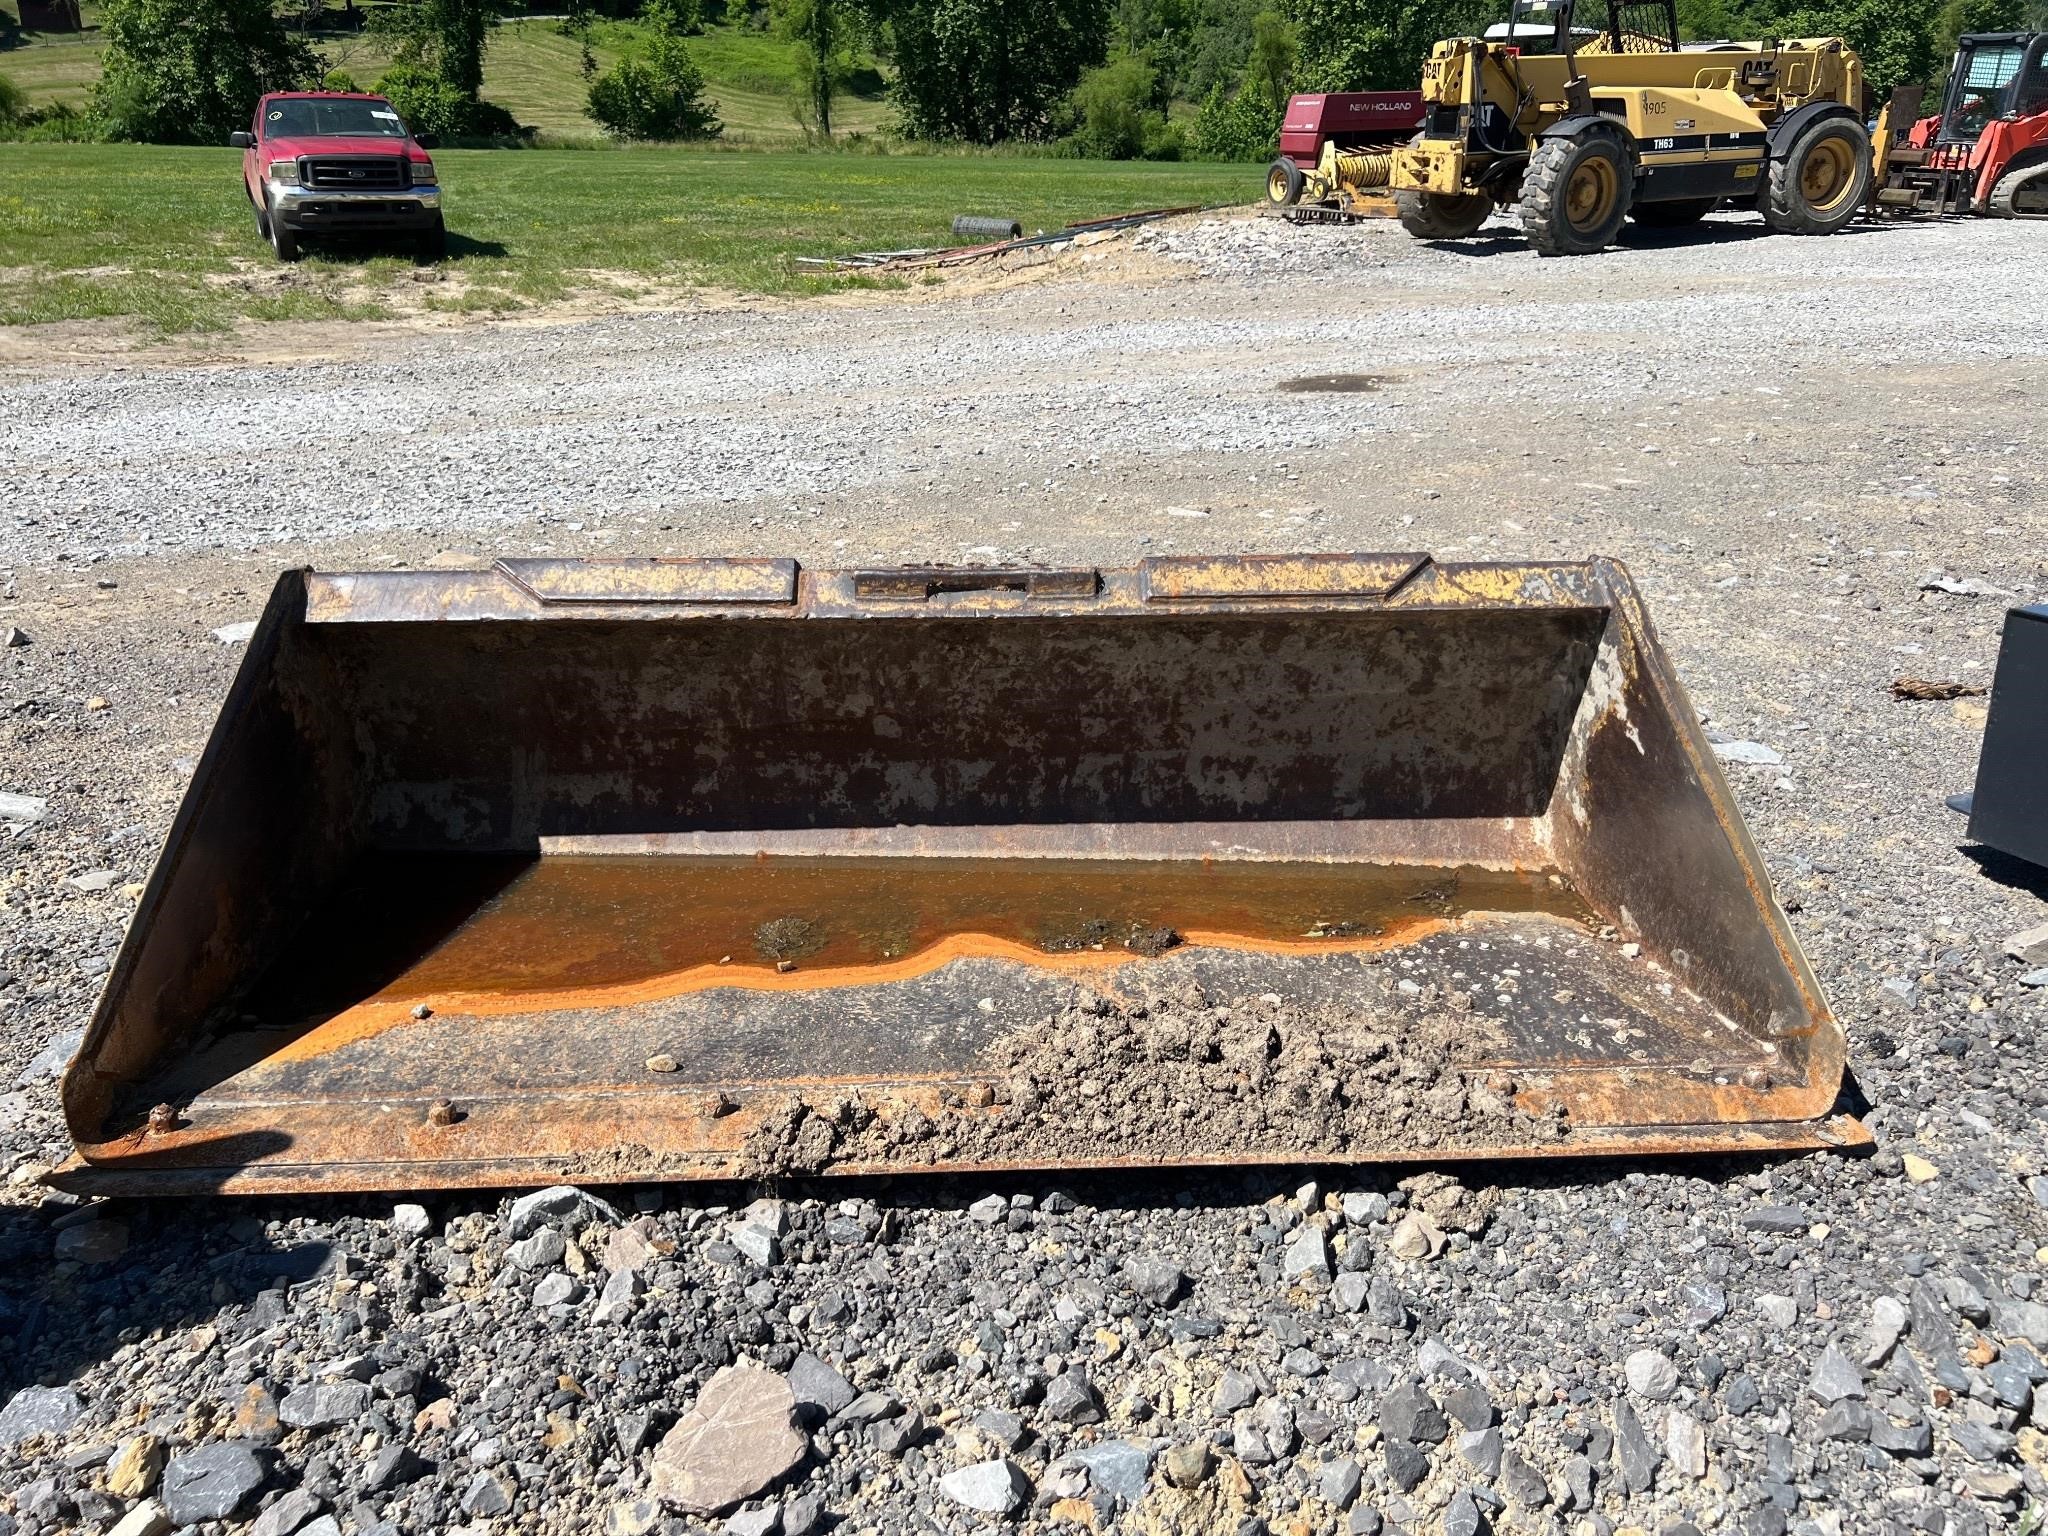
x=1335, y=384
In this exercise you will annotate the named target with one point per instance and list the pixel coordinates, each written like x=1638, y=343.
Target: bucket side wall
x=1647, y=830
x=267, y=825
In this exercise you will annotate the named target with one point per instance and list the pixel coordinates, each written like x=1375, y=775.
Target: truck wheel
x=282, y=240
x=1673, y=215
x=1575, y=194
x=1432, y=216
x=1284, y=182
x=1823, y=180
x=432, y=245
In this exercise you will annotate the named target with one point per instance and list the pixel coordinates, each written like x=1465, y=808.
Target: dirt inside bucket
x=1173, y=1070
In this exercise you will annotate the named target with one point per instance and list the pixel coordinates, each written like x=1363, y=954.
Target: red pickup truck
x=320, y=163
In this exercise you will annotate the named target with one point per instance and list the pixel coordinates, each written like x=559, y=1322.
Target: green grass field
x=163, y=234
x=530, y=69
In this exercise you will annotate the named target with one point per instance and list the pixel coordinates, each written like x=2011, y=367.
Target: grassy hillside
x=165, y=233
x=530, y=69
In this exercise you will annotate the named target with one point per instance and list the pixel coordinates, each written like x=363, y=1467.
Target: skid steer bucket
x=622, y=870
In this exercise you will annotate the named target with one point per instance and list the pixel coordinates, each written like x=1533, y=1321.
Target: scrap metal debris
x=947, y=256
x=1967, y=587
x=1925, y=688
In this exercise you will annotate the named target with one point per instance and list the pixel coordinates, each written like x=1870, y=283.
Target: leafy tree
x=823, y=33
x=428, y=103
x=1275, y=47
x=1217, y=42
x=657, y=93
x=1237, y=126
x=1896, y=38
x=179, y=73
x=675, y=17
x=1377, y=45
x=1122, y=114
x=1960, y=16
x=988, y=70
x=447, y=37
x=12, y=103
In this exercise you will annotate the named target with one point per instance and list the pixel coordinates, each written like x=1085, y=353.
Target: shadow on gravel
x=1636, y=237
x=2003, y=869
x=184, y=1260
x=1193, y=1189
x=230, y=1265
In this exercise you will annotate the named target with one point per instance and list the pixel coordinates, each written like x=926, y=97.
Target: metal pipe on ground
x=978, y=227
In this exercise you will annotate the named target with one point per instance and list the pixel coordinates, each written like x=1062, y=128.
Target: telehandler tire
x=1823, y=180
x=1432, y=216
x=1576, y=193
x=1284, y=183
x=1673, y=215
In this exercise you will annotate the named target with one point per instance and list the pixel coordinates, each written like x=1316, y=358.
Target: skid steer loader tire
x=1429, y=216
x=2021, y=194
x=1284, y=183
x=1822, y=181
x=1576, y=193
x=1673, y=215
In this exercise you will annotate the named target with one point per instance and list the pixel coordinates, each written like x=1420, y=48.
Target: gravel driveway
x=1787, y=440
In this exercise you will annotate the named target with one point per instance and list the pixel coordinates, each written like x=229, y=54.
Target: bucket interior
x=609, y=884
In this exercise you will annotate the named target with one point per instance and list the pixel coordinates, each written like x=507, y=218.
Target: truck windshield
x=309, y=115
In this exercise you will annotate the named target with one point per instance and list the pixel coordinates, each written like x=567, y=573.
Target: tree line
x=1107, y=78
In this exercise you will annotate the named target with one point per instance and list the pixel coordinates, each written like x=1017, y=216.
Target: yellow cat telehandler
x=1587, y=120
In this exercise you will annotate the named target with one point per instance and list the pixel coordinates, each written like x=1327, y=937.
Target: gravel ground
x=1787, y=440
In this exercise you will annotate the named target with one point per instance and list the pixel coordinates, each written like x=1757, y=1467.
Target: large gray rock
x=818, y=1386
x=1156, y=1280
x=487, y=1495
x=38, y=1411
x=325, y=1405
x=1408, y=1413
x=1307, y=1255
x=52, y=1059
x=2012, y=1318
x=1071, y=1399
x=541, y=1250
x=737, y=1440
x=1651, y=1374
x=620, y=1295
x=561, y=1205
x=1115, y=1466
x=1522, y=1482
x=988, y=1487
x=209, y=1483
x=290, y=1512
x=1632, y=1448
x=1263, y=1434
x=22, y=808
x=1835, y=1376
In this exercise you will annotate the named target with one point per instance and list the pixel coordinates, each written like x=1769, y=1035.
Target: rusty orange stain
x=393, y=1007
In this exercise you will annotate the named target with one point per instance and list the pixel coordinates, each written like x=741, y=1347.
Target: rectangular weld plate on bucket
x=670, y=869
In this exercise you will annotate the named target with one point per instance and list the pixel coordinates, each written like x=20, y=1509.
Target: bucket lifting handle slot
x=653, y=580
x=1255, y=578
x=919, y=583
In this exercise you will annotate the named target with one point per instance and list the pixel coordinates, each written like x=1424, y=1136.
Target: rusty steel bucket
x=670, y=869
